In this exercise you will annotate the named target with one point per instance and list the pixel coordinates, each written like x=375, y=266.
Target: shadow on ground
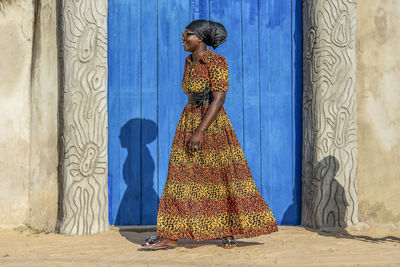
x=139, y=237
x=344, y=233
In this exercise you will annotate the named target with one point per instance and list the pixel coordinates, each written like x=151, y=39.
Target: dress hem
x=237, y=234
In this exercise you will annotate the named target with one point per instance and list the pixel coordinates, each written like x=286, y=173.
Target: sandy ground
x=290, y=246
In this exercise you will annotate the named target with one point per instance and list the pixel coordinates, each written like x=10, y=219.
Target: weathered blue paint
x=146, y=62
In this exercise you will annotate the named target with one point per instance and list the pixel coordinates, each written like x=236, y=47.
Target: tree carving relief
x=83, y=207
x=329, y=114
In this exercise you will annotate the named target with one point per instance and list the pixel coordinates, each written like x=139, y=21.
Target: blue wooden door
x=145, y=98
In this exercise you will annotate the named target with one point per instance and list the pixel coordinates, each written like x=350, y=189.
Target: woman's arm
x=209, y=117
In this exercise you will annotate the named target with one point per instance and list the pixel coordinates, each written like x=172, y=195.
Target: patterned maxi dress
x=211, y=193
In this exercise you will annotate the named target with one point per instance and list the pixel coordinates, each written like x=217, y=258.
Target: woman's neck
x=197, y=54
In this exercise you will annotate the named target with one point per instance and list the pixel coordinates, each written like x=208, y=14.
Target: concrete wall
x=378, y=90
x=28, y=105
x=44, y=102
x=28, y=108
x=15, y=67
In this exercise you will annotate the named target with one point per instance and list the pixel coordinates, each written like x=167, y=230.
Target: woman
x=210, y=192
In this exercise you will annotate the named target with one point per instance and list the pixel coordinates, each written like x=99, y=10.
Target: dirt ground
x=290, y=246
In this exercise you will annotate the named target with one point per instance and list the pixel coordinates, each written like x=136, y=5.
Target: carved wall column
x=329, y=114
x=83, y=193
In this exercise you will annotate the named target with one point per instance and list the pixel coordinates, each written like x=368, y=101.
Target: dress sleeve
x=219, y=74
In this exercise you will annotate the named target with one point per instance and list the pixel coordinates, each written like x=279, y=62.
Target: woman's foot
x=154, y=242
x=228, y=242
x=166, y=242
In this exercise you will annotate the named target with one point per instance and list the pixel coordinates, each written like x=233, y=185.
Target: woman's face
x=191, y=42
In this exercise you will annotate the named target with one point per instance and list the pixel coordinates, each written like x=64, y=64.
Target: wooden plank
x=251, y=92
x=113, y=104
x=276, y=106
x=149, y=179
x=265, y=88
x=113, y=131
x=172, y=18
x=228, y=13
x=124, y=114
x=194, y=11
x=294, y=214
x=204, y=9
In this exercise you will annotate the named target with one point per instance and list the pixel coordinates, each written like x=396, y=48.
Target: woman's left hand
x=195, y=141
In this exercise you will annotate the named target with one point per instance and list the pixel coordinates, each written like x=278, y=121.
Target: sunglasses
x=185, y=34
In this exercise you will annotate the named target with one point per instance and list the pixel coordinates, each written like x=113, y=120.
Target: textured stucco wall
x=329, y=194
x=330, y=197
x=83, y=117
x=28, y=121
x=378, y=90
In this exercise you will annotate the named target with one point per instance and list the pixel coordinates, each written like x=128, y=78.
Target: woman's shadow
x=335, y=207
x=140, y=199
x=139, y=202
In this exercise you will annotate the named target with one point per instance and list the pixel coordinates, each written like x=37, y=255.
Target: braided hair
x=211, y=33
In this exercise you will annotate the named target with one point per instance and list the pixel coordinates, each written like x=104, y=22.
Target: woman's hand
x=195, y=141
x=211, y=114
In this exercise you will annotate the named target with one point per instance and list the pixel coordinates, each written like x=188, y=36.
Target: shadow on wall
x=335, y=205
x=138, y=170
x=325, y=201
x=292, y=213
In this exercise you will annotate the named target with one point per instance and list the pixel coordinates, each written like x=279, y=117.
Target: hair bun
x=218, y=35
x=210, y=32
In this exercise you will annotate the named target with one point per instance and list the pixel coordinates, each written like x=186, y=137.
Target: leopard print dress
x=210, y=193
